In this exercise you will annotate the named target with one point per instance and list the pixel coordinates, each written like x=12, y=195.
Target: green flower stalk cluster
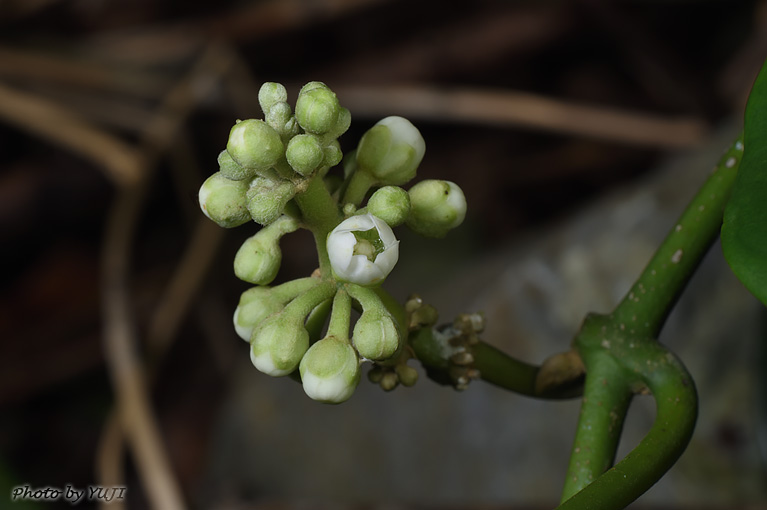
x=277, y=171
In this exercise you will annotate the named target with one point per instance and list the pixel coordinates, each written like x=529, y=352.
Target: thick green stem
x=321, y=215
x=606, y=399
x=677, y=404
x=648, y=303
x=627, y=338
x=502, y=370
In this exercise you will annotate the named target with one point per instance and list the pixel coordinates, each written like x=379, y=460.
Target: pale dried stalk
x=64, y=127
x=137, y=421
x=526, y=110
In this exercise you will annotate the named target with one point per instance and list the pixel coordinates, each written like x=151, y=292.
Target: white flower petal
x=358, y=268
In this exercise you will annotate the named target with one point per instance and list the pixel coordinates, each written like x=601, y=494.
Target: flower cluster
x=278, y=173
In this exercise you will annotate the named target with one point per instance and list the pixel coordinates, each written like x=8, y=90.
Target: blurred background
x=577, y=129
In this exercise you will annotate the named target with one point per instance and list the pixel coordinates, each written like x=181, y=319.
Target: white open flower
x=362, y=250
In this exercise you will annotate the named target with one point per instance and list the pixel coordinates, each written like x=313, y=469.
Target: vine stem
x=620, y=351
x=606, y=400
x=656, y=290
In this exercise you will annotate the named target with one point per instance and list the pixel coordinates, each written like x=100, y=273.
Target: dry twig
x=523, y=109
x=128, y=376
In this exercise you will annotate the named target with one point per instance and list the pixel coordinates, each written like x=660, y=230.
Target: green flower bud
x=304, y=154
x=342, y=124
x=317, y=109
x=330, y=370
x=407, y=375
x=278, y=116
x=332, y=154
x=391, y=151
x=436, y=207
x=224, y=200
x=278, y=344
x=391, y=204
x=311, y=86
x=375, y=335
x=231, y=170
x=256, y=304
x=254, y=144
x=270, y=94
x=258, y=259
x=266, y=199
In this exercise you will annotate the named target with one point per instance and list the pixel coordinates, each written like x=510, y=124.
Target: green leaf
x=744, y=229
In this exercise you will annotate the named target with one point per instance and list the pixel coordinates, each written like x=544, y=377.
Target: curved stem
x=650, y=300
x=303, y=305
x=500, y=369
x=604, y=407
x=677, y=405
x=286, y=292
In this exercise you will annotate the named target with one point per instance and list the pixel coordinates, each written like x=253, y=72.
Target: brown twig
x=62, y=126
x=523, y=109
x=37, y=67
x=125, y=368
x=128, y=376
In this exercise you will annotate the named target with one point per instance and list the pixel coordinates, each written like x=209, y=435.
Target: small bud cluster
x=268, y=162
x=276, y=171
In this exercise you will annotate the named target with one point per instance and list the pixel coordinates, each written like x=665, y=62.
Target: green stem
x=341, y=316
x=287, y=291
x=395, y=309
x=359, y=184
x=321, y=215
x=606, y=399
x=495, y=367
x=628, y=338
x=504, y=371
x=677, y=404
x=648, y=303
x=303, y=305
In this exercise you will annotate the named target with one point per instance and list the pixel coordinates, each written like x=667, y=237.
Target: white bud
x=330, y=370
x=391, y=150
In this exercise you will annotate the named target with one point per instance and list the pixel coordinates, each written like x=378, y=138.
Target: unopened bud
x=375, y=335
x=305, y=154
x=278, y=116
x=389, y=381
x=317, y=108
x=391, y=151
x=330, y=370
x=436, y=207
x=224, y=200
x=407, y=375
x=266, y=199
x=254, y=144
x=278, y=344
x=258, y=259
x=270, y=94
x=231, y=170
x=256, y=304
x=332, y=154
x=391, y=204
